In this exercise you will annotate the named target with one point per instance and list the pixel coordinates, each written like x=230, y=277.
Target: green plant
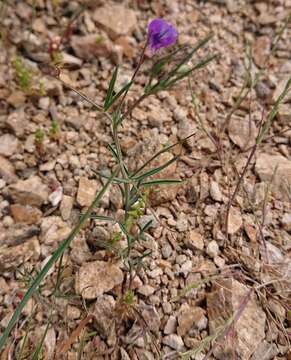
x=23, y=74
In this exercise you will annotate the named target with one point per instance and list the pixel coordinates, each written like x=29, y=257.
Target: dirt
x=211, y=288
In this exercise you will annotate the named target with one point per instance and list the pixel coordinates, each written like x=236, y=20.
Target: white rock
x=174, y=341
x=212, y=249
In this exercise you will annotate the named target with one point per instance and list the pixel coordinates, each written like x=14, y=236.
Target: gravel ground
x=209, y=290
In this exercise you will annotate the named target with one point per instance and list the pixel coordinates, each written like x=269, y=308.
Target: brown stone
x=25, y=214
x=86, y=191
x=95, y=278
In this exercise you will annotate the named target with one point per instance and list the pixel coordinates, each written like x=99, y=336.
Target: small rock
x=265, y=351
x=8, y=145
x=53, y=230
x=189, y=317
x=104, y=315
x=212, y=249
x=171, y=325
x=56, y=196
x=17, y=122
x=29, y=192
x=173, y=341
x=151, y=317
x=48, y=166
x=17, y=233
x=16, y=99
x=7, y=171
x=278, y=169
x=261, y=50
x=116, y=19
x=248, y=331
x=95, y=278
x=187, y=127
x=86, y=191
x=91, y=46
x=182, y=223
x=286, y=221
x=194, y=241
x=146, y=290
x=25, y=214
x=66, y=207
x=166, y=251
x=234, y=221
x=12, y=257
x=215, y=192
x=73, y=313
x=242, y=132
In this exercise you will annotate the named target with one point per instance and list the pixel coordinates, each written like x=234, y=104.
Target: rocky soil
x=205, y=289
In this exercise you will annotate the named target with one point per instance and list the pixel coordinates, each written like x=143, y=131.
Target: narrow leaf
x=110, y=90
x=117, y=96
x=155, y=170
x=162, y=182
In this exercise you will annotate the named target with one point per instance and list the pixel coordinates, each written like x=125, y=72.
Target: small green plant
x=23, y=74
x=54, y=131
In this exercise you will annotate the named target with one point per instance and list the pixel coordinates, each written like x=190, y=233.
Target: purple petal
x=161, y=34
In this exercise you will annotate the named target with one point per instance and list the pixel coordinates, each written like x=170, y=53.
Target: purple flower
x=160, y=35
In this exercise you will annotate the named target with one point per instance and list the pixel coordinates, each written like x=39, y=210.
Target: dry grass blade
x=66, y=344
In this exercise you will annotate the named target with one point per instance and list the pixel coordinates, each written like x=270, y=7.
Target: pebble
x=174, y=341
x=86, y=191
x=171, y=325
x=66, y=207
x=212, y=249
x=7, y=170
x=215, y=192
x=29, y=192
x=194, y=240
x=25, y=214
x=234, y=221
x=96, y=278
x=8, y=145
x=116, y=19
x=146, y=290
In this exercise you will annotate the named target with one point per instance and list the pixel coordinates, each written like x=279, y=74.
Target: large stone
x=8, y=144
x=116, y=19
x=227, y=298
x=95, y=278
x=242, y=132
x=7, y=171
x=12, y=257
x=174, y=341
x=190, y=317
x=29, y=192
x=277, y=169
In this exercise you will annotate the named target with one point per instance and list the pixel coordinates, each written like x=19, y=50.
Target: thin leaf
x=116, y=180
x=198, y=66
x=55, y=256
x=189, y=55
x=162, y=182
x=113, y=151
x=102, y=218
x=155, y=170
x=117, y=96
x=109, y=94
